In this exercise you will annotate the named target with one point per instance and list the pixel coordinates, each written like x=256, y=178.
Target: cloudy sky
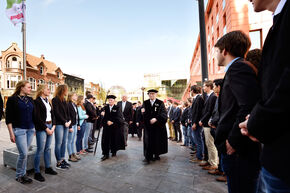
x=112, y=41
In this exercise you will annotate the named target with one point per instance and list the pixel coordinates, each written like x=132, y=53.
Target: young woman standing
x=82, y=117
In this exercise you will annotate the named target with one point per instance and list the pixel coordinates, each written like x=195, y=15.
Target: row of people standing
x=65, y=118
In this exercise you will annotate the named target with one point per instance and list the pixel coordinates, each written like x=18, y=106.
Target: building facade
x=38, y=70
x=221, y=17
x=75, y=83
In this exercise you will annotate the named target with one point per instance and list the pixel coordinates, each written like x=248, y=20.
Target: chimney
x=42, y=57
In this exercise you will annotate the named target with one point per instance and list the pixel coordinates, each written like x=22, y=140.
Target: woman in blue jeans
x=19, y=119
x=44, y=126
x=74, y=126
x=62, y=121
x=82, y=119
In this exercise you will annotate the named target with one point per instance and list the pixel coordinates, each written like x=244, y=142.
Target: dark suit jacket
x=139, y=116
x=184, y=116
x=269, y=118
x=1, y=107
x=196, y=109
x=60, y=111
x=128, y=111
x=208, y=109
x=239, y=94
x=74, y=115
x=215, y=114
x=91, y=112
x=40, y=114
x=176, y=115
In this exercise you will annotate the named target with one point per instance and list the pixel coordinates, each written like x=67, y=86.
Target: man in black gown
x=155, y=134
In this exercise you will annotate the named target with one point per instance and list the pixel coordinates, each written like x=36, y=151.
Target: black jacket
x=215, y=115
x=269, y=118
x=73, y=115
x=208, y=109
x=128, y=111
x=239, y=94
x=91, y=112
x=40, y=115
x=176, y=115
x=60, y=111
x=196, y=109
x=184, y=116
x=12, y=111
x=1, y=107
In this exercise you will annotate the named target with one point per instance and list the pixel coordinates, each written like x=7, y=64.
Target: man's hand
x=245, y=132
x=142, y=110
x=230, y=149
x=103, y=113
x=137, y=124
x=130, y=122
x=172, y=121
x=200, y=123
x=152, y=121
x=194, y=126
x=79, y=128
x=110, y=123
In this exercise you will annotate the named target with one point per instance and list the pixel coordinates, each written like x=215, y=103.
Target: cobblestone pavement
x=123, y=174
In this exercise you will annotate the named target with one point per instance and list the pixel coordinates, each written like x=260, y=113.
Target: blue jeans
x=43, y=142
x=274, y=184
x=191, y=136
x=80, y=136
x=199, y=142
x=23, y=138
x=87, y=138
x=242, y=172
x=71, y=140
x=60, y=134
x=185, y=135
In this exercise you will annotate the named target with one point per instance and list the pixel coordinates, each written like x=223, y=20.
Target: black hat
x=111, y=97
x=152, y=90
x=90, y=96
x=134, y=104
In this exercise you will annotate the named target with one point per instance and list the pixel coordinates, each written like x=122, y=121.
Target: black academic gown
x=133, y=126
x=113, y=137
x=155, y=136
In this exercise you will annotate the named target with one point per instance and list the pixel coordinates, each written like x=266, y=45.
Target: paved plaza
x=122, y=174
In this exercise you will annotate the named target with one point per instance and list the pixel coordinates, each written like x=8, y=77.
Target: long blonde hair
x=69, y=97
x=79, y=102
x=19, y=86
x=60, y=91
x=40, y=90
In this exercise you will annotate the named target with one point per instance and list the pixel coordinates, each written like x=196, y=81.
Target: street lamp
x=202, y=34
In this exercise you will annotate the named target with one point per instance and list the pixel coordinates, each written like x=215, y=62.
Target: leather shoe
x=105, y=157
x=204, y=164
x=215, y=172
x=146, y=161
x=209, y=167
x=156, y=158
x=113, y=154
x=222, y=179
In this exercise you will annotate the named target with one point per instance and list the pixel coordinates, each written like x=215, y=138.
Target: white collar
x=231, y=62
x=196, y=96
x=279, y=7
x=210, y=93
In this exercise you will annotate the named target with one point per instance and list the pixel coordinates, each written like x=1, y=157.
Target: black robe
x=155, y=136
x=113, y=136
x=133, y=126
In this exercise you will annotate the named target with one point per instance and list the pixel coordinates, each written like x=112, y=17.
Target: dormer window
x=58, y=74
x=41, y=70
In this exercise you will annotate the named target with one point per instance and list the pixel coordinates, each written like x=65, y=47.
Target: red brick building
x=39, y=70
x=221, y=17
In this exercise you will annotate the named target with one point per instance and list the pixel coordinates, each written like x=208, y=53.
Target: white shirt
x=48, y=109
x=123, y=105
x=279, y=7
x=111, y=107
x=196, y=96
x=152, y=102
x=210, y=93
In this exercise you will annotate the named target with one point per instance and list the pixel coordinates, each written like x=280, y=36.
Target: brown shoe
x=76, y=156
x=215, y=172
x=72, y=159
x=204, y=164
x=209, y=167
x=222, y=179
x=194, y=160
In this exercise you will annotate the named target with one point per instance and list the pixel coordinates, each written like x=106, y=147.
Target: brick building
x=39, y=71
x=221, y=17
x=75, y=83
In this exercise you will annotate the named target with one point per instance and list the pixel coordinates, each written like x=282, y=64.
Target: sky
x=109, y=41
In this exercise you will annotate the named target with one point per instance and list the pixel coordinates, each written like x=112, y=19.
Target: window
x=14, y=59
x=218, y=32
x=32, y=82
x=224, y=20
x=51, y=86
x=12, y=81
x=224, y=4
x=217, y=18
x=58, y=74
x=41, y=70
x=225, y=30
x=256, y=39
x=41, y=81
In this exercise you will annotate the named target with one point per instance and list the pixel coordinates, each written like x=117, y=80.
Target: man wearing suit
x=113, y=136
x=169, y=115
x=209, y=104
x=1, y=107
x=155, y=135
x=175, y=120
x=196, y=111
x=239, y=94
x=127, y=110
x=139, y=120
x=91, y=112
x=268, y=121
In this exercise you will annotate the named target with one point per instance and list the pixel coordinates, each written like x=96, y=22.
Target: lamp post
x=203, y=48
x=143, y=93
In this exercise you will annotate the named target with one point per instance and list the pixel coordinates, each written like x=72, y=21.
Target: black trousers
x=177, y=129
x=139, y=131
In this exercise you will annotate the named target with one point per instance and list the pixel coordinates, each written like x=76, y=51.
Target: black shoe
x=24, y=180
x=89, y=150
x=156, y=158
x=39, y=177
x=113, y=154
x=174, y=140
x=146, y=161
x=50, y=171
x=65, y=163
x=61, y=166
x=105, y=157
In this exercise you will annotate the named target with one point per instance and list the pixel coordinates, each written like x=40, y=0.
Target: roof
x=35, y=61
